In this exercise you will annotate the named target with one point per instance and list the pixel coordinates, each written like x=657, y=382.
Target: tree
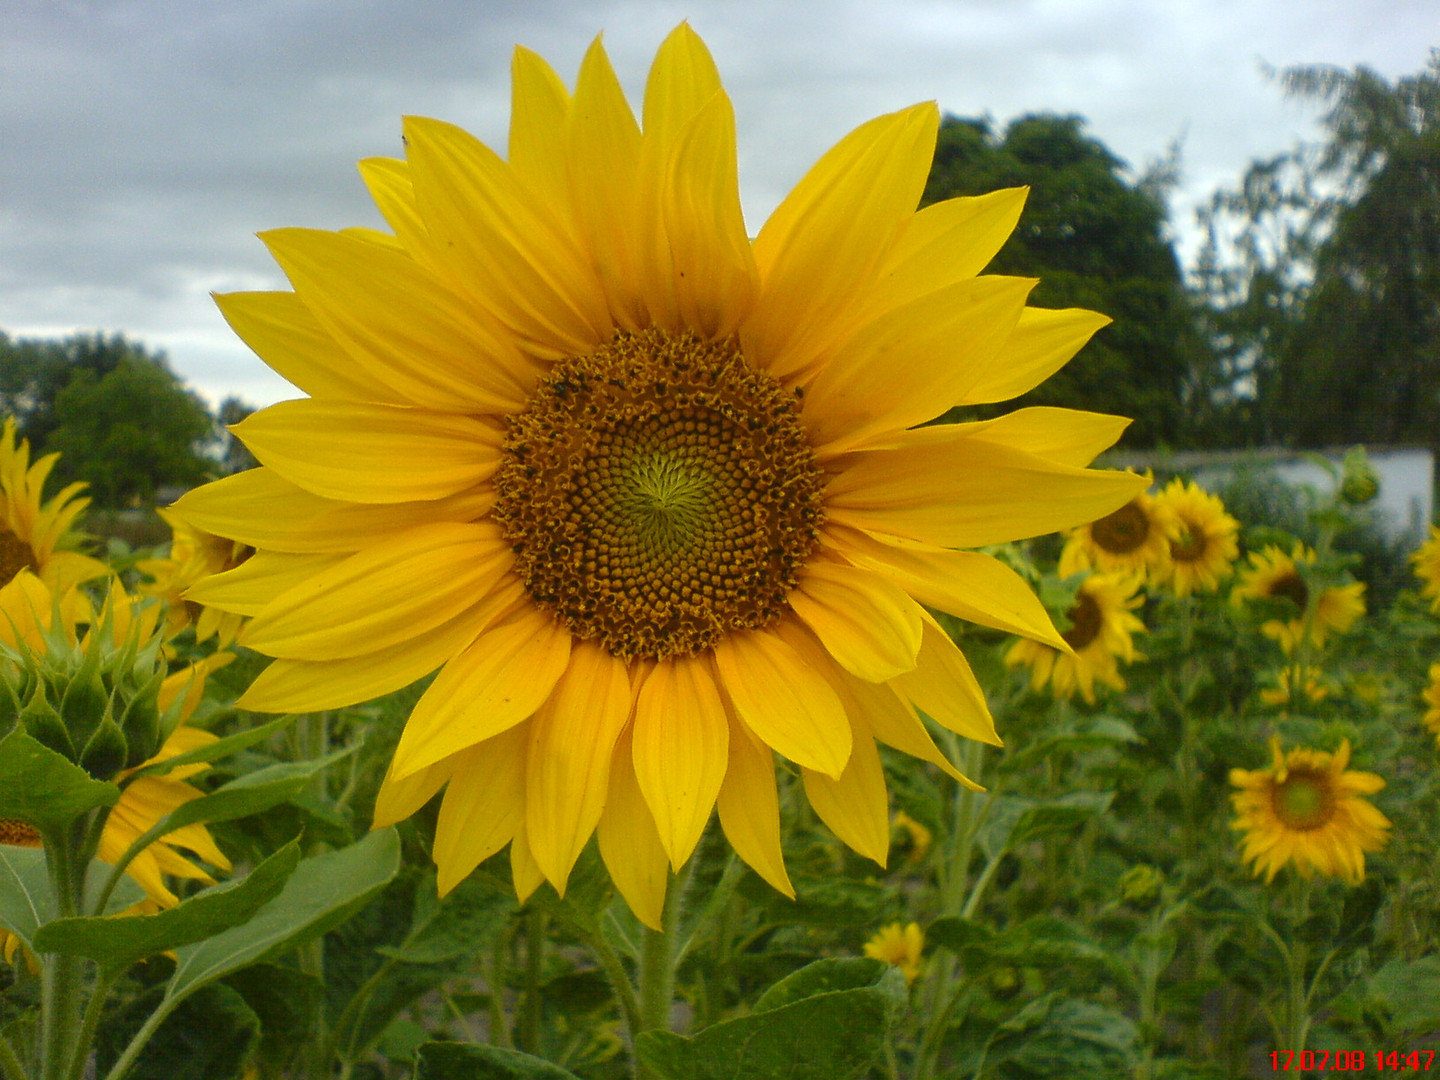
x=129, y=431
x=233, y=455
x=1094, y=240
x=34, y=371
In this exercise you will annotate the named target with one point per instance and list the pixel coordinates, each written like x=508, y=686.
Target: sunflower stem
x=528, y=1024
x=62, y=978
x=658, y=953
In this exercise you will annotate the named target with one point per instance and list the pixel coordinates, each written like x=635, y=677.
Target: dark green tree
x=1095, y=240
x=33, y=371
x=128, y=432
x=233, y=455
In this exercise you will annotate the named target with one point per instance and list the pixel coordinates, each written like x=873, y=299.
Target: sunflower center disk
x=1291, y=586
x=15, y=555
x=1086, y=622
x=18, y=833
x=659, y=493
x=1123, y=531
x=1190, y=545
x=1303, y=801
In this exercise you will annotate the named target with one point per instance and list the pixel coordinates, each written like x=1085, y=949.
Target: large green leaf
x=231, y=744
x=251, y=793
x=209, y=1037
x=323, y=892
x=43, y=788
x=467, y=1061
x=456, y=925
x=118, y=943
x=1015, y=821
x=287, y=1001
x=26, y=902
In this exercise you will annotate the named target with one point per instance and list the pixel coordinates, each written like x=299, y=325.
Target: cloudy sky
x=144, y=142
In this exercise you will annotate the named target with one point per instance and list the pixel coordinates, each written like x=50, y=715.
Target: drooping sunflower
x=1274, y=575
x=649, y=494
x=194, y=556
x=1307, y=809
x=1132, y=540
x=1101, y=634
x=899, y=946
x=1426, y=560
x=1203, y=545
x=1432, y=699
x=35, y=534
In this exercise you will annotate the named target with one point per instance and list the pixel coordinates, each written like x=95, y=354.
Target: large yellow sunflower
x=1307, y=809
x=1102, y=625
x=35, y=533
x=1203, y=545
x=650, y=495
x=1426, y=560
x=1273, y=575
x=1132, y=540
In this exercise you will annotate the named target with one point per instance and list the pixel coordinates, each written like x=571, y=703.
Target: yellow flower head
x=899, y=946
x=1307, y=809
x=1132, y=540
x=34, y=534
x=194, y=556
x=651, y=495
x=1432, y=699
x=1101, y=634
x=1203, y=544
x=920, y=838
x=1426, y=561
x=1287, y=690
x=1273, y=575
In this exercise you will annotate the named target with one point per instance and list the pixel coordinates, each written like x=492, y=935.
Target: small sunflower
x=194, y=556
x=651, y=495
x=1203, y=545
x=1432, y=699
x=899, y=946
x=1286, y=687
x=1101, y=632
x=35, y=534
x=1307, y=809
x=1274, y=575
x=1132, y=540
x=1426, y=561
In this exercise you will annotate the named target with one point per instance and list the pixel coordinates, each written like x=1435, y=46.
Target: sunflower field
x=610, y=671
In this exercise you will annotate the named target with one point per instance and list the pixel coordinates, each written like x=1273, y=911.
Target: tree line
x=1312, y=316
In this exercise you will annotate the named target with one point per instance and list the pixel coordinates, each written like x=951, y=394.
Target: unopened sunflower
x=1132, y=540
x=1101, y=634
x=1274, y=575
x=650, y=494
x=1203, y=542
x=36, y=534
x=1308, y=809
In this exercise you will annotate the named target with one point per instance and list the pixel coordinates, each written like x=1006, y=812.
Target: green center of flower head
x=15, y=555
x=1291, y=586
x=1303, y=800
x=1086, y=622
x=659, y=493
x=1123, y=531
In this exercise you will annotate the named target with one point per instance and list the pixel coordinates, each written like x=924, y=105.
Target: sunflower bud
x=1140, y=886
x=1359, y=482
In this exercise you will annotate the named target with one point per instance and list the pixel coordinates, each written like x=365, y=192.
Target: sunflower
x=1203, y=545
x=1432, y=699
x=1426, y=561
x=650, y=495
x=34, y=534
x=1307, y=809
x=1286, y=687
x=1273, y=575
x=194, y=555
x=899, y=946
x=1132, y=540
x=1100, y=635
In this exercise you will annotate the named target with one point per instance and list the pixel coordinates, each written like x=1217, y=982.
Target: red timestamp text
x=1351, y=1060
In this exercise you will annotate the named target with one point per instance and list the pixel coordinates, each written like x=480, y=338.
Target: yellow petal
x=500, y=680
x=371, y=453
x=524, y=870
x=402, y=325
x=970, y=492
x=868, y=624
x=749, y=807
x=483, y=806
x=784, y=701
x=539, y=104
x=1066, y=436
x=1043, y=342
x=571, y=740
x=398, y=799
x=498, y=242
x=821, y=248
x=312, y=685
x=282, y=332
x=629, y=841
x=856, y=805
x=682, y=78
x=262, y=577
x=912, y=363
x=945, y=688
x=681, y=745
x=967, y=584
x=384, y=595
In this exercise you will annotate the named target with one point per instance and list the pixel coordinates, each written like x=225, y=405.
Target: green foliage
x=211, y=1036
x=42, y=788
x=464, y=1061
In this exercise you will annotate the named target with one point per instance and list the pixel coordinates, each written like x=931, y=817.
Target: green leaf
x=26, y=902
x=43, y=788
x=287, y=1002
x=1409, y=992
x=467, y=1061
x=220, y=748
x=323, y=892
x=1015, y=821
x=1071, y=1038
x=823, y=977
x=210, y=1037
x=251, y=793
x=456, y=925
x=118, y=943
